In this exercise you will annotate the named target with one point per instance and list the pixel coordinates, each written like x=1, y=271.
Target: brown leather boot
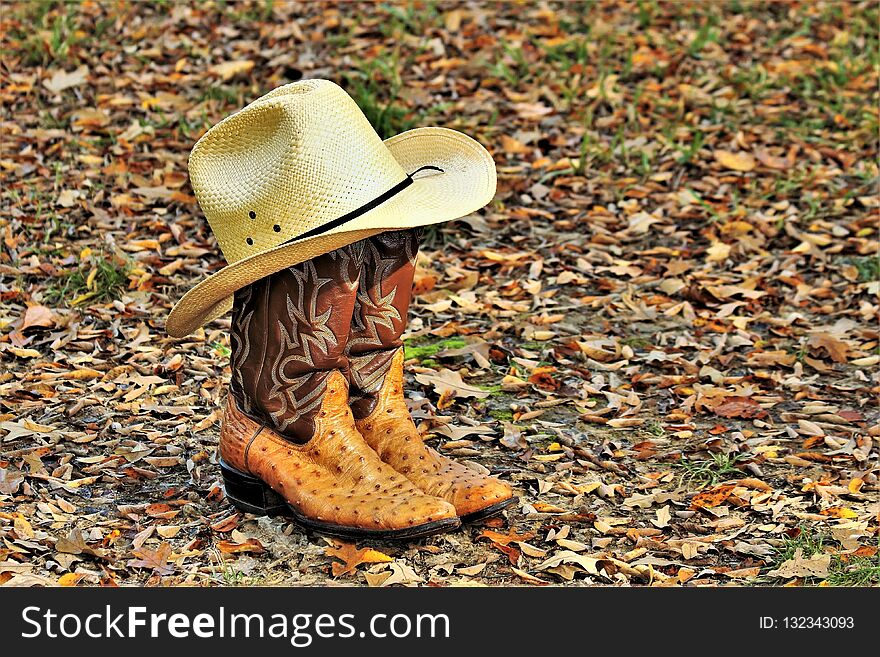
x=288, y=441
x=376, y=376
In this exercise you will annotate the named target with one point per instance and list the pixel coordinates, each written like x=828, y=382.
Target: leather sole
x=250, y=494
x=489, y=511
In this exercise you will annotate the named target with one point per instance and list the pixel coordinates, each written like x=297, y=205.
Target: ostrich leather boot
x=376, y=377
x=288, y=443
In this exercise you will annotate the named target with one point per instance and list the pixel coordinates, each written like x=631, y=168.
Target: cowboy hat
x=301, y=172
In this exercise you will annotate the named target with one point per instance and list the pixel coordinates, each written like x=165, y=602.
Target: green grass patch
x=375, y=87
x=502, y=414
x=856, y=571
x=868, y=267
x=844, y=570
x=637, y=343
x=411, y=348
x=708, y=472
x=101, y=279
x=654, y=428
x=221, y=349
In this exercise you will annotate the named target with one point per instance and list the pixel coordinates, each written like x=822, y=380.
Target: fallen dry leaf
x=738, y=161
x=352, y=557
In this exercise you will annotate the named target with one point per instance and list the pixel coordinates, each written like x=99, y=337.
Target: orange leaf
x=352, y=557
x=250, y=545
x=504, y=539
x=712, y=498
x=511, y=145
x=543, y=507
x=543, y=378
x=227, y=524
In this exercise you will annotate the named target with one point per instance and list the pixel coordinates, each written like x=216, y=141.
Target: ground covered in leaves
x=663, y=330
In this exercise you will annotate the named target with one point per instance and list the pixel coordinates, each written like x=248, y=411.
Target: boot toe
x=474, y=497
x=417, y=509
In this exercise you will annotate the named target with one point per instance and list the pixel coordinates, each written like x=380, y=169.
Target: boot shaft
x=380, y=313
x=289, y=333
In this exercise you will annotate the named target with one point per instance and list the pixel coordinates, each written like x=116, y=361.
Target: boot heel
x=250, y=494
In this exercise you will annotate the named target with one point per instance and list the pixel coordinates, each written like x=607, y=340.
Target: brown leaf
x=798, y=566
x=836, y=349
x=780, y=163
x=75, y=544
x=155, y=560
x=770, y=358
x=10, y=481
x=161, y=510
x=37, y=316
x=513, y=437
x=451, y=383
x=743, y=407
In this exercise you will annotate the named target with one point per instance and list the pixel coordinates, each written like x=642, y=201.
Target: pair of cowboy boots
x=316, y=424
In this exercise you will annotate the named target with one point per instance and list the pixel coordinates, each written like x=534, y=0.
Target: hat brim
x=466, y=184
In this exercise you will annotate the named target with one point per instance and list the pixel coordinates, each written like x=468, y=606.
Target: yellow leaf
x=85, y=253
x=39, y=428
x=25, y=353
x=82, y=298
x=718, y=252
x=90, y=281
x=453, y=20
x=83, y=374
x=22, y=527
x=739, y=161
x=227, y=70
x=856, y=485
x=150, y=103
x=69, y=579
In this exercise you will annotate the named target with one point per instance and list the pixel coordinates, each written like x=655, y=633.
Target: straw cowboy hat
x=301, y=172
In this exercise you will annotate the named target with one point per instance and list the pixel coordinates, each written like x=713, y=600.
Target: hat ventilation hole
x=276, y=228
x=252, y=214
x=249, y=241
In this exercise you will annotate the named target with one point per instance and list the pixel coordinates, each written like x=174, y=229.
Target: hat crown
x=292, y=161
